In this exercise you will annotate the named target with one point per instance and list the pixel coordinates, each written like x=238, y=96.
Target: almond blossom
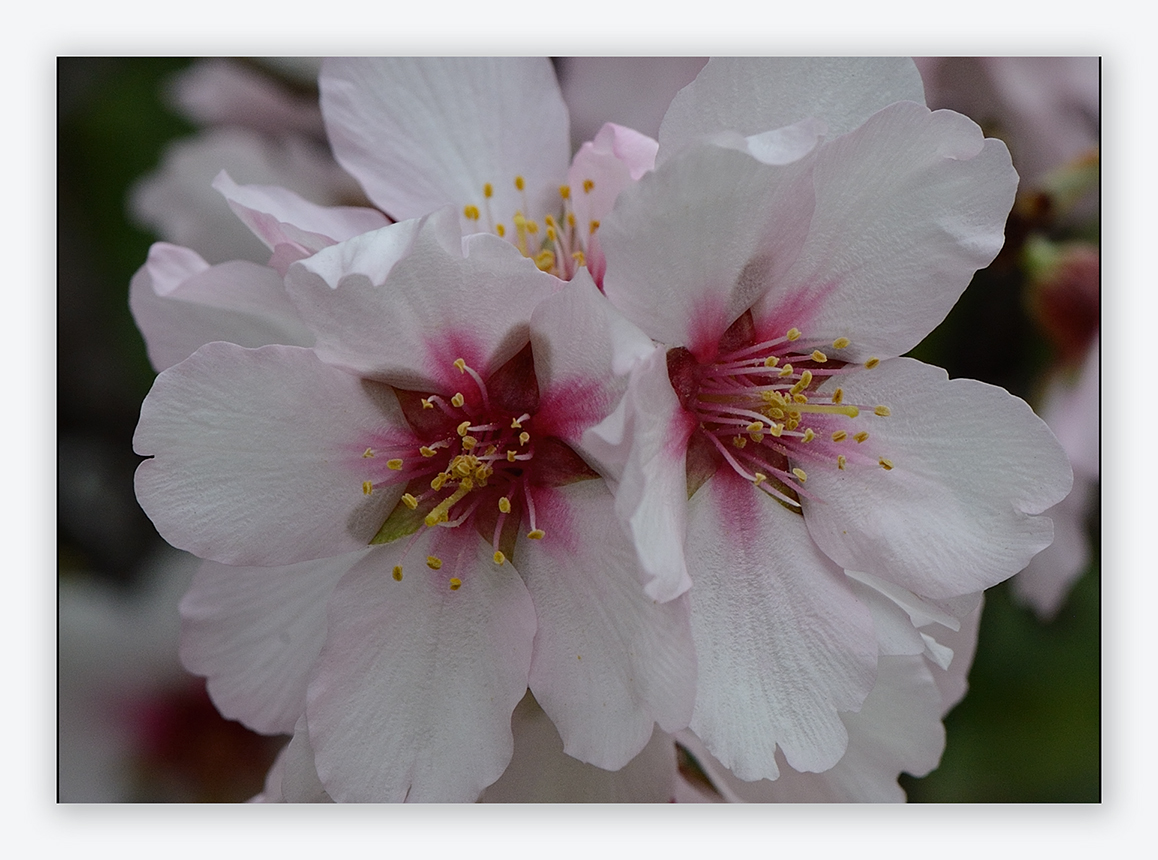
x=807, y=223
x=414, y=534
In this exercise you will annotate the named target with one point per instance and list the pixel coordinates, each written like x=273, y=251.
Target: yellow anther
x=471, y=212
x=799, y=398
x=499, y=557
x=579, y=258
x=860, y=437
x=883, y=411
x=427, y=452
x=793, y=333
x=786, y=370
x=565, y=192
x=809, y=435
x=369, y=452
x=756, y=437
x=488, y=190
x=397, y=573
x=460, y=363
x=501, y=230
x=550, y=221
x=840, y=461
x=455, y=583
x=426, y=404
x=469, y=442
x=505, y=505
x=367, y=487
x=433, y=562
x=739, y=441
x=511, y=456
x=587, y=186
x=457, y=400
x=516, y=424
x=519, y=183
x=760, y=478
x=872, y=362
x=819, y=357
x=800, y=474
x=394, y=465
x=536, y=534
x=439, y=479
x=463, y=427
x=410, y=501
x=482, y=473
x=571, y=220
x=838, y=395
x=545, y=261
x=755, y=427
x=839, y=436
x=463, y=464
x=887, y=465
x=841, y=343
x=776, y=429
x=593, y=226
x=524, y=438
x=532, y=226
x=771, y=361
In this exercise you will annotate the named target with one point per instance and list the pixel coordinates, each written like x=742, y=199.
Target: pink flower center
x=474, y=459
x=771, y=410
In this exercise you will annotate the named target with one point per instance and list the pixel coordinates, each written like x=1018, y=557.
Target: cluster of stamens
x=761, y=409
x=560, y=246
x=480, y=459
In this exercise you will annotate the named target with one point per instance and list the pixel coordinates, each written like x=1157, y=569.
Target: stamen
x=536, y=534
x=587, y=186
x=839, y=436
x=800, y=473
x=410, y=501
x=397, y=573
x=883, y=411
x=872, y=362
x=455, y=583
x=841, y=343
x=367, y=487
x=840, y=461
x=458, y=400
x=433, y=562
x=793, y=333
x=819, y=357
x=369, y=452
x=499, y=557
x=887, y=465
x=860, y=437
x=505, y=505
x=394, y=465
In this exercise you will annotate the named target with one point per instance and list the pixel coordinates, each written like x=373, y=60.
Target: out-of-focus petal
x=540, y=772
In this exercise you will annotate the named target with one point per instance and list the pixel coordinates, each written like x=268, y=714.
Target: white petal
x=696, y=242
x=279, y=217
x=254, y=633
x=649, y=437
x=420, y=133
x=615, y=159
x=257, y=455
x=540, y=772
x=782, y=643
x=299, y=780
x=752, y=95
x=414, y=690
x=609, y=661
x=404, y=302
x=181, y=303
x=907, y=208
x=1046, y=581
x=973, y=467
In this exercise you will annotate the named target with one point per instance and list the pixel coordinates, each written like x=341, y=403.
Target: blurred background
x=139, y=139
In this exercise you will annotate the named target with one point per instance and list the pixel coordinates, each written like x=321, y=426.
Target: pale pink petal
x=540, y=772
x=242, y=474
x=750, y=95
x=220, y=91
x=414, y=690
x=271, y=790
x=649, y=437
x=404, y=302
x=299, y=779
x=898, y=729
x=179, y=203
x=179, y=303
x=609, y=661
x=615, y=159
x=908, y=207
x=630, y=91
x=972, y=468
x=254, y=633
x=1072, y=409
x=782, y=642
x=420, y=133
x=694, y=243
x=1046, y=581
x=280, y=217
x=584, y=350
x=953, y=682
